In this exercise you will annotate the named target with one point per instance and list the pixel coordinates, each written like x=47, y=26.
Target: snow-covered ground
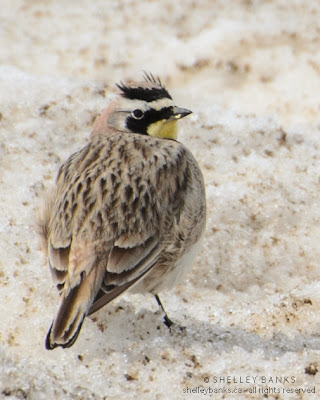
x=250, y=71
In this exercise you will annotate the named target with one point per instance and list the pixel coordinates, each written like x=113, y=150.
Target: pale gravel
x=250, y=72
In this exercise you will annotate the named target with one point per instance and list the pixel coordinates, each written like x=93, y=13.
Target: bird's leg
x=166, y=319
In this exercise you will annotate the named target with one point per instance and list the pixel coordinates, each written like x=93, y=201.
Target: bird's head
x=145, y=108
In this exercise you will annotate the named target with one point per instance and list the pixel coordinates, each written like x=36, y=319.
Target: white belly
x=154, y=284
x=183, y=266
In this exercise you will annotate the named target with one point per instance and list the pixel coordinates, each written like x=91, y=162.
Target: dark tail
x=73, y=308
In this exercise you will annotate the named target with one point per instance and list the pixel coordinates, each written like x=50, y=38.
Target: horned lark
x=127, y=211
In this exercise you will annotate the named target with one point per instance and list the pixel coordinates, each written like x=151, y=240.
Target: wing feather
x=103, y=226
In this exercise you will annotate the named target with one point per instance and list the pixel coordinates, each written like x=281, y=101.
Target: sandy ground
x=250, y=71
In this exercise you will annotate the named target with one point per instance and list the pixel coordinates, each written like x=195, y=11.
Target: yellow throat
x=163, y=129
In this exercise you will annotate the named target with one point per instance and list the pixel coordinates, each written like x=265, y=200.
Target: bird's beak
x=179, y=113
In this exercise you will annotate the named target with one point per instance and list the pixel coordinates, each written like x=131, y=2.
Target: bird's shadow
x=147, y=330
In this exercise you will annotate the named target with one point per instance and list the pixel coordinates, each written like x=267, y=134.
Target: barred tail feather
x=73, y=309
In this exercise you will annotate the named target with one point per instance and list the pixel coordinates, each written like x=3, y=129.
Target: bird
x=126, y=212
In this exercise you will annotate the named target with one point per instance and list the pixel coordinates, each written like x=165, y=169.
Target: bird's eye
x=137, y=114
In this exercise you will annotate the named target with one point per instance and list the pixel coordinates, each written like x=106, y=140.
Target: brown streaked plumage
x=128, y=210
